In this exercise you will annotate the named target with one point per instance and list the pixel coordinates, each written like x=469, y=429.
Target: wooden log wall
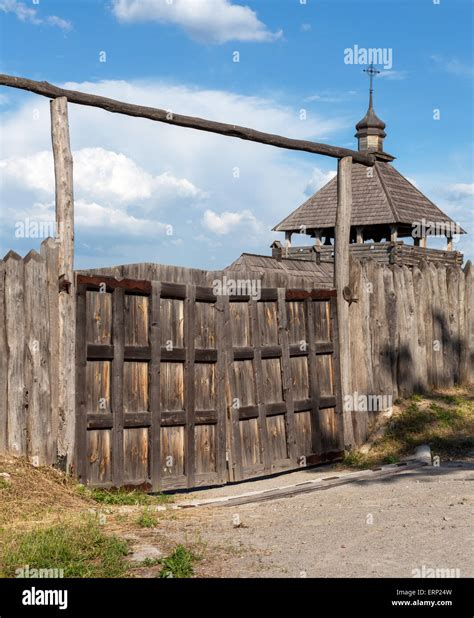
x=411, y=331
x=29, y=354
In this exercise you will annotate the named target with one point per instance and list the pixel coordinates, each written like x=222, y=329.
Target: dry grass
x=444, y=420
x=36, y=495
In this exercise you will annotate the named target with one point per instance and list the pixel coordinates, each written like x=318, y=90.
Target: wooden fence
x=29, y=411
x=411, y=330
x=180, y=387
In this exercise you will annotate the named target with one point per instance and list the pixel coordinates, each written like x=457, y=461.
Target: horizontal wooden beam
x=168, y=117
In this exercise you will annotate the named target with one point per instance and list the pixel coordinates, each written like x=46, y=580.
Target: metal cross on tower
x=371, y=71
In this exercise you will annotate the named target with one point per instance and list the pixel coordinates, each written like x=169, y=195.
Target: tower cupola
x=370, y=130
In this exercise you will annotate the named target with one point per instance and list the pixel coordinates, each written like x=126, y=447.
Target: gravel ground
x=382, y=528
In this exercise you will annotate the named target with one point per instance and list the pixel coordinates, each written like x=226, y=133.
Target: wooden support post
x=393, y=233
x=341, y=279
x=450, y=243
x=423, y=242
x=288, y=239
x=67, y=318
x=201, y=124
x=360, y=235
x=317, y=238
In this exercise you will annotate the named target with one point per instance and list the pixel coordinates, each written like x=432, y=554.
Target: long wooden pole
x=341, y=280
x=169, y=117
x=63, y=172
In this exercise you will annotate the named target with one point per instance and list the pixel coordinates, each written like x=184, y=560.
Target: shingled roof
x=381, y=196
x=314, y=274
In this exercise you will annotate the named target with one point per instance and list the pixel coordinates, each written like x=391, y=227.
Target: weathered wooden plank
x=359, y=343
x=50, y=253
x=98, y=386
x=37, y=328
x=97, y=282
x=341, y=280
x=67, y=315
x=466, y=330
x=173, y=456
x=426, y=313
x=3, y=367
x=233, y=403
x=106, y=421
x=135, y=387
x=155, y=381
x=201, y=124
x=259, y=385
x=437, y=343
x=15, y=335
x=339, y=420
x=136, y=462
x=172, y=324
x=286, y=376
x=99, y=317
x=468, y=349
x=175, y=355
x=313, y=383
x=172, y=386
x=419, y=301
x=118, y=338
x=169, y=418
x=313, y=294
x=99, y=457
x=189, y=386
x=447, y=355
x=136, y=321
x=205, y=329
x=205, y=453
x=173, y=290
x=85, y=472
x=453, y=276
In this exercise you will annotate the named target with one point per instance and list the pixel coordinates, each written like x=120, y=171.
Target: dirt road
x=419, y=519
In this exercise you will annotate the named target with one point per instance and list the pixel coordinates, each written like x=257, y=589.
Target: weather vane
x=371, y=71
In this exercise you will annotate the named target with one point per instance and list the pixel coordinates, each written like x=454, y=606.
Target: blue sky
x=147, y=192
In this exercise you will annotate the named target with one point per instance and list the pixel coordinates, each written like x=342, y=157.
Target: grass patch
x=79, y=549
x=4, y=484
x=445, y=422
x=178, y=564
x=147, y=519
x=356, y=459
x=122, y=496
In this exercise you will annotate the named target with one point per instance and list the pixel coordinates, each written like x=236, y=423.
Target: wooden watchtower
x=391, y=219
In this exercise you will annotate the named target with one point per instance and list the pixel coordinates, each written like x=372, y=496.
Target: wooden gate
x=177, y=387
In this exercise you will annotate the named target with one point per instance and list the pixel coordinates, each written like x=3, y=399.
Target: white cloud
x=155, y=173
x=393, y=75
x=330, y=96
x=318, y=179
x=209, y=21
x=100, y=173
x=30, y=15
x=453, y=66
x=461, y=190
x=33, y=172
x=109, y=220
x=228, y=222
